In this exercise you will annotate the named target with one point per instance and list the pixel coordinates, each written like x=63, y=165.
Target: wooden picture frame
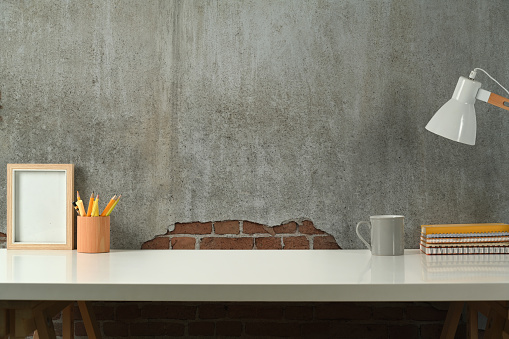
x=39, y=206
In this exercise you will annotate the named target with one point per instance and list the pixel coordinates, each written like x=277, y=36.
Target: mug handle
x=359, y=235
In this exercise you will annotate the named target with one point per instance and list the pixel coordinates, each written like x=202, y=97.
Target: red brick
x=211, y=311
x=227, y=227
x=404, y=332
x=104, y=312
x=183, y=243
x=342, y=311
x=3, y=235
x=268, y=243
x=128, y=311
x=299, y=312
x=193, y=228
x=315, y=329
x=388, y=313
x=249, y=227
x=211, y=243
x=79, y=329
x=168, y=311
x=425, y=313
x=229, y=328
x=296, y=243
x=255, y=311
x=308, y=227
x=202, y=328
x=341, y=330
x=272, y=329
x=325, y=243
x=431, y=331
x=156, y=328
x=115, y=329
x=290, y=227
x=158, y=243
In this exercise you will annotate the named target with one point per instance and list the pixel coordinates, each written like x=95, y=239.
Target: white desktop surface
x=244, y=275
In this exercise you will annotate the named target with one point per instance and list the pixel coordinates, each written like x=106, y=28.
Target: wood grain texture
x=93, y=234
x=499, y=101
x=69, y=169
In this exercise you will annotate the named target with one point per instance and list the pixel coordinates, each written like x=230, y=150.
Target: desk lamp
x=456, y=119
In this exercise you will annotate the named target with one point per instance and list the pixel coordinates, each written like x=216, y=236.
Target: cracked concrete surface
x=267, y=111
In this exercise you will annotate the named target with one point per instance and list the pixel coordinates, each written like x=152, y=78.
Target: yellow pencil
x=90, y=205
x=107, y=208
x=95, y=209
x=112, y=207
x=79, y=202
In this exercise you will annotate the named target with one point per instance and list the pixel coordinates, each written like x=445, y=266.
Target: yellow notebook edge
x=464, y=228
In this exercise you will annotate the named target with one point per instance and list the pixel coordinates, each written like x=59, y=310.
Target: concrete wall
x=265, y=111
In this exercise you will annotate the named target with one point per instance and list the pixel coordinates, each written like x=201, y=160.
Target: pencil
x=115, y=204
x=95, y=209
x=80, y=204
x=90, y=205
x=107, y=208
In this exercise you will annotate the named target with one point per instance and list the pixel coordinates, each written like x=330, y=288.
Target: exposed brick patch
x=249, y=227
x=425, y=312
x=388, y=313
x=290, y=227
x=212, y=243
x=264, y=319
x=115, y=329
x=307, y=227
x=268, y=243
x=358, y=331
x=192, y=228
x=183, y=243
x=255, y=311
x=295, y=243
x=158, y=243
x=227, y=227
x=157, y=329
x=404, y=332
x=128, y=311
x=211, y=311
x=299, y=312
x=202, y=328
x=229, y=328
x=165, y=311
x=326, y=242
x=3, y=240
x=197, y=235
x=272, y=329
x=343, y=311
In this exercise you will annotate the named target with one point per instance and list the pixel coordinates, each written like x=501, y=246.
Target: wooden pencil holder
x=93, y=234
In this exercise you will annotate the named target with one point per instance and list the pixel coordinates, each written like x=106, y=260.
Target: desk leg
x=472, y=322
x=67, y=323
x=91, y=325
x=452, y=320
x=495, y=325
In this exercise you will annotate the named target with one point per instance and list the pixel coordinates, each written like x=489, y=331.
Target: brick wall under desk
x=260, y=320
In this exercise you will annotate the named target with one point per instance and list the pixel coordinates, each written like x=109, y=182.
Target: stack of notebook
x=465, y=239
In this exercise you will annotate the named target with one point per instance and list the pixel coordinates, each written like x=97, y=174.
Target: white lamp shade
x=456, y=119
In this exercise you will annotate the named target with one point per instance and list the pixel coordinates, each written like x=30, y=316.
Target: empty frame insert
x=39, y=206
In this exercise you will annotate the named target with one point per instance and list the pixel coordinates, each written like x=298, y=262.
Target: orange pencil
x=107, y=208
x=90, y=205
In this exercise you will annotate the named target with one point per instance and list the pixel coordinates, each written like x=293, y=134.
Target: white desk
x=264, y=275
x=54, y=278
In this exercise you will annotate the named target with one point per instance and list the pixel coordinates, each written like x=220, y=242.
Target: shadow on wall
x=243, y=235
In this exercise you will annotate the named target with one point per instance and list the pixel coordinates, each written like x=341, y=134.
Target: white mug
x=387, y=234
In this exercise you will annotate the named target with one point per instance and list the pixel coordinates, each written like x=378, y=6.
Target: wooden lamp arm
x=498, y=101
